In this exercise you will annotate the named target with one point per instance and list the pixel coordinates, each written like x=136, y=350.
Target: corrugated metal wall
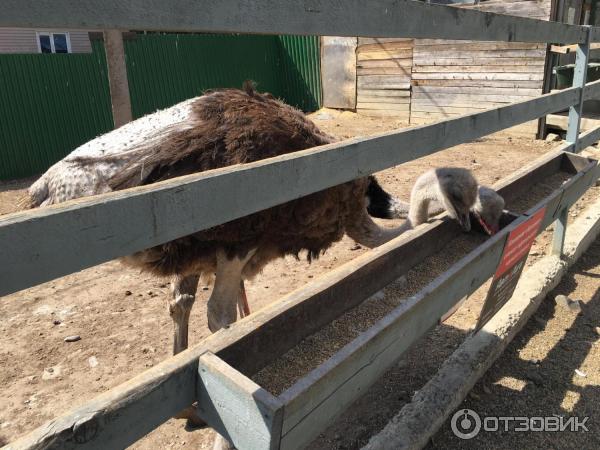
x=50, y=104
x=166, y=69
x=301, y=64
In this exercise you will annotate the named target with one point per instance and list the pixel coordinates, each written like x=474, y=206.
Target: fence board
x=588, y=138
x=47, y=243
x=376, y=18
x=592, y=91
x=240, y=410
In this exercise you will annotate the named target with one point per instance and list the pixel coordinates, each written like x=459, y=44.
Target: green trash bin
x=564, y=74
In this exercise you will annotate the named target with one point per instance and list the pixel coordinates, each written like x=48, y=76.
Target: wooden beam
x=591, y=91
x=564, y=49
x=172, y=384
x=338, y=71
x=319, y=397
x=117, y=77
x=588, y=138
x=46, y=243
x=376, y=18
x=237, y=408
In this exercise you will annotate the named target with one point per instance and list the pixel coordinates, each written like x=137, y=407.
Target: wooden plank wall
x=452, y=77
x=383, y=73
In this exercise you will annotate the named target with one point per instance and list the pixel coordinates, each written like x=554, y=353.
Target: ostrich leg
x=184, y=294
x=228, y=292
x=183, y=291
x=243, y=306
x=229, y=295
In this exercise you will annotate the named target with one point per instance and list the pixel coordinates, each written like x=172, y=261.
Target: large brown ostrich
x=218, y=129
x=223, y=128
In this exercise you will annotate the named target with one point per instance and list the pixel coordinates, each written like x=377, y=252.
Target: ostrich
x=222, y=128
x=488, y=207
x=218, y=129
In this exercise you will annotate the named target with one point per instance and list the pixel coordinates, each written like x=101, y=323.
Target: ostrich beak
x=489, y=229
x=465, y=221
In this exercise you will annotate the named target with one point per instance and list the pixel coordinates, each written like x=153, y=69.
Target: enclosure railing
x=43, y=244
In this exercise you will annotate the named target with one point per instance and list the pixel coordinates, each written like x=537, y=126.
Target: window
x=53, y=42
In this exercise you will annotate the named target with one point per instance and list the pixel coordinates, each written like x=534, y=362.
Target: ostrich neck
x=366, y=232
x=420, y=199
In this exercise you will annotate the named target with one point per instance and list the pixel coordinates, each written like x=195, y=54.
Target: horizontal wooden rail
x=172, y=383
x=46, y=243
x=592, y=91
x=328, y=390
x=564, y=49
x=373, y=18
x=588, y=138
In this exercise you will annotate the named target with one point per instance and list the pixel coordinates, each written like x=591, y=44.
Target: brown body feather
x=233, y=127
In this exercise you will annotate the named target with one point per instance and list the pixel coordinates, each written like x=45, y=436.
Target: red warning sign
x=519, y=242
x=511, y=266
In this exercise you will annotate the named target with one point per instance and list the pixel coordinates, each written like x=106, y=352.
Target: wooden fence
x=43, y=244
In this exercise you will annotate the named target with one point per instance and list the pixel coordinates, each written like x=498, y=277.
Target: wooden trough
x=252, y=418
x=216, y=372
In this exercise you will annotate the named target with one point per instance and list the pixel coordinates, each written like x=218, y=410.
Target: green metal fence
x=50, y=104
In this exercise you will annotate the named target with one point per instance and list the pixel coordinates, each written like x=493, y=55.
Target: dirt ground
x=122, y=319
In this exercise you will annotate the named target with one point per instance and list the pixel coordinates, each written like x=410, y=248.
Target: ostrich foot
x=183, y=291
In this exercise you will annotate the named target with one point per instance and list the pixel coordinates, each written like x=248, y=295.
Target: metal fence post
x=575, y=111
x=579, y=79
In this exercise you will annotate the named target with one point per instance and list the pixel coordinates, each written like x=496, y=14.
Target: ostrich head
x=457, y=191
x=488, y=209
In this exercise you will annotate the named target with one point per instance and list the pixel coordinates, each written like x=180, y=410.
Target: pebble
x=562, y=300
x=128, y=293
x=73, y=338
x=51, y=372
x=56, y=322
x=580, y=373
x=575, y=306
x=92, y=361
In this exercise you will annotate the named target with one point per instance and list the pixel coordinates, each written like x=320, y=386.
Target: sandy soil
x=122, y=318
